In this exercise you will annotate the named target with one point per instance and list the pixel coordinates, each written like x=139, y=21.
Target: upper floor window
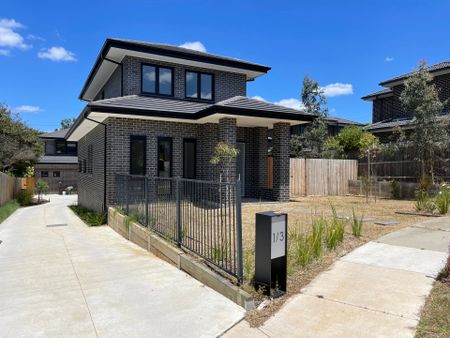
x=157, y=80
x=63, y=147
x=199, y=85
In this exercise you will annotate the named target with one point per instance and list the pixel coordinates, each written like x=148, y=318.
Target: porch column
x=280, y=154
x=260, y=144
x=227, y=134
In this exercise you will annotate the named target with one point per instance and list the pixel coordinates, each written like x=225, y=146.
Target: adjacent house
x=387, y=111
x=160, y=110
x=59, y=165
x=335, y=125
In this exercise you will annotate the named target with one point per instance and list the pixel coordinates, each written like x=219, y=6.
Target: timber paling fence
x=203, y=217
x=9, y=186
x=321, y=177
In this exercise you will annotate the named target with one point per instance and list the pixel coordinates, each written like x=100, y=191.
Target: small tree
x=224, y=154
x=41, y=188
x=67, y=122
x=420, y=98
x=312, y=140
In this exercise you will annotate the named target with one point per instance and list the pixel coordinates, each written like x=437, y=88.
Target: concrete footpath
x=60, y=278
x=377, y=290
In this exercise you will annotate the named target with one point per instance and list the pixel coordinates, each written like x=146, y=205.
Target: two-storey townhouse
x=160, y=110
x=387, y=111
x=59, y=165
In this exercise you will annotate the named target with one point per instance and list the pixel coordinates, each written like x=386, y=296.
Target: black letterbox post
x=270, y=252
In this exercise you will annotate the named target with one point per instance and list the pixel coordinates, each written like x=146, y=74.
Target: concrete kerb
x=151, y=242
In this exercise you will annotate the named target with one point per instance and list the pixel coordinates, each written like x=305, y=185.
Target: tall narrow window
x=137, y=155
x=189, y=158
x=165, y=156
x=157, y=80
x=199, y=85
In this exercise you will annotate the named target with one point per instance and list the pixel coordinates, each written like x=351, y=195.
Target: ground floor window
x=189, y=158
x=165, y=156
x=44, y=173
x=138, y=145
x=56, y=174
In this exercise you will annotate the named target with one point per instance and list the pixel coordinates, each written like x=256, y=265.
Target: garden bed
x=90, y=217
x=7, y=209
x=302, y=212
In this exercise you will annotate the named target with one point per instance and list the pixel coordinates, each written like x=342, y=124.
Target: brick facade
x=280, y=154
x=391, y=108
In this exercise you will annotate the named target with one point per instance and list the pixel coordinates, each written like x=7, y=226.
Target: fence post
x=178, y=210
x=146, y=199
x=239, y=271
x=127, y=203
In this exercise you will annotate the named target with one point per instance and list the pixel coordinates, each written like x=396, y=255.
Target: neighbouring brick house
x=387, y=111
x=59, y=165
x=160, y=110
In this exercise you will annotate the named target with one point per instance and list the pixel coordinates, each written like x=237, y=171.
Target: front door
x=240, y=165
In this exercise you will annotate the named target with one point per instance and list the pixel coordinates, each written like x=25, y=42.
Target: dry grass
x=301, y=211
x=435, y=319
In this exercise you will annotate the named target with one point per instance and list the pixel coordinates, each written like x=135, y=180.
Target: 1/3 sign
x=278, y=242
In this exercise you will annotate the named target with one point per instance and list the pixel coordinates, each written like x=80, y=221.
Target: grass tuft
x=357, y=224
x=7, y=209
x=88, y=216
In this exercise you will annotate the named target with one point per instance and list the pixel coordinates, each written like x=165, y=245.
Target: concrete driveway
x=60, y=278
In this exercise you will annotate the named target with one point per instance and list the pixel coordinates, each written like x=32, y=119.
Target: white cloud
x=388, y=59
x=57, y=54
x=28, y=109
x=259, y=98
x=9, y=38
x=291, y=103
x=337, y=89
x=194, y=45
x=35, y=37
x=4, y=52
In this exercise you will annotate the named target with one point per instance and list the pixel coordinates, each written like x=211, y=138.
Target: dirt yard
x=301, y=212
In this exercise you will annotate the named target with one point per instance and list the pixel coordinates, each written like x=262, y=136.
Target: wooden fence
x=321, y=177
x=8, y=187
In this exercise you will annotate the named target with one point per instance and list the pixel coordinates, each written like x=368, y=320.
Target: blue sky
x=47, y=48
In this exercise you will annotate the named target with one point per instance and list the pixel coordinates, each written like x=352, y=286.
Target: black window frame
x=138, y=138
x=170, y=139
x=194, y=141
x=42, y=173
x=157, y=93
x=199, y=86
x=58, y=172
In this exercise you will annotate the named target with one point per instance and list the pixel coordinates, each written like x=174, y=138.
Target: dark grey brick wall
x=280, y=154
x=112, y=88
x=226, y=84
x=90, y=186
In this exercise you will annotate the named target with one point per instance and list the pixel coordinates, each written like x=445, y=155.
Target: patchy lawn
x=7, y=209
x=302, y=212
x=435, y=319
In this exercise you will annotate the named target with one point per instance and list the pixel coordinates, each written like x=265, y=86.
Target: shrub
x=301, y=247
x=41, y=188
x=395, y=189
x=318, y=228
x=356, y=224
x=90, y=217
x=248, y=264
x=424, y=202
x=442, y=200
x=334, y=232
x=25, y=197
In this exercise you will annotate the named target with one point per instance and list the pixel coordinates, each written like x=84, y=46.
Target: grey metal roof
x=243, y=102
x=388, y=124
x=433, y=68
x=55, y=134
x=58, y=159
x=148, y=103
x=172, y=48
x=377, y=93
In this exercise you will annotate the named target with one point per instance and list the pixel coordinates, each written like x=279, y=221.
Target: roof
x=157, y=107
x=58, y=159
x=376, y=94
x=339, y=120
x=111, y=48
x=441, y=66
x=55, y=134
x=389, y=124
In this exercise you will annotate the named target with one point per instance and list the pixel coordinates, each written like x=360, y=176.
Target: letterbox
x=270, y=252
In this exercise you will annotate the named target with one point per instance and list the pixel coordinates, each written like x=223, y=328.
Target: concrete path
x=60, y=278
x=377, y=290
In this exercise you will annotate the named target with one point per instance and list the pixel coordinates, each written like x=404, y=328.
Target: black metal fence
x=201, y=216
